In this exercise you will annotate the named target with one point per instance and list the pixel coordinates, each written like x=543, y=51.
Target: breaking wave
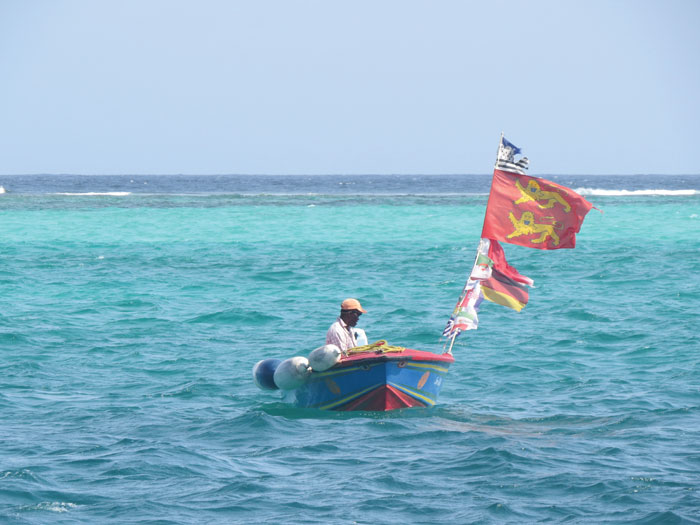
x=98, y=194
x=622, y=193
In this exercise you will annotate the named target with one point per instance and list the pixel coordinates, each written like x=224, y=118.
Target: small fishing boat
x=374, y=377
x=376, y=380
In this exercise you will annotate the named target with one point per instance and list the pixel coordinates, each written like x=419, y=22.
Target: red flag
x=533, y=212
x=498, y=256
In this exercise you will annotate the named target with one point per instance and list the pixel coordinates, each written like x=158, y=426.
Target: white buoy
x=324, y=357
x=292, y=373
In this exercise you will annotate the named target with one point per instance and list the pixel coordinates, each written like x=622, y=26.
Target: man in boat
x=340, y=333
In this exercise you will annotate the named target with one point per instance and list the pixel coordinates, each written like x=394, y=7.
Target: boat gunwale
x=408, y=354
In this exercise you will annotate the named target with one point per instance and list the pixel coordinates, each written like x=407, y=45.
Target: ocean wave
x=277, y=195
x=369, y=195
x=2, y=190
x=96, y=194
x=634, y=193
x=51, y=506
x=234, y=315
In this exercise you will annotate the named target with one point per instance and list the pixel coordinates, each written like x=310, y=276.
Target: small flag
x=509, y=148
x=505, y=159
x=482, y=267
x=464, y=317
x=505, y=291
x=498, y=256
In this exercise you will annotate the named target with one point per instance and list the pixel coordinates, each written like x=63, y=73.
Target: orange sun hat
x=352, y=304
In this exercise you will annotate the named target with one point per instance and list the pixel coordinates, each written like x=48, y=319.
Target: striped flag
x=503, y=290
x=505, y=160
x=505, y=285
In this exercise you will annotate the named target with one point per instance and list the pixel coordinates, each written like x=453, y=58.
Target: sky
x=348, y=87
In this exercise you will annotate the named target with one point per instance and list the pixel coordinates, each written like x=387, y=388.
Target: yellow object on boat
x=379, y=347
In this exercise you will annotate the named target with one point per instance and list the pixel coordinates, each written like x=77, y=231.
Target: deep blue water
x=132, y=309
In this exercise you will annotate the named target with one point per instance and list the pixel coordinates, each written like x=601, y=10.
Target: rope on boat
x=379, y=347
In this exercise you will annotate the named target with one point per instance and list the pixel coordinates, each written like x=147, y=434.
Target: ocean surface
x=133, y=308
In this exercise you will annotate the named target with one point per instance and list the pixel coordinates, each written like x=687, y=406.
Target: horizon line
x=335, y=174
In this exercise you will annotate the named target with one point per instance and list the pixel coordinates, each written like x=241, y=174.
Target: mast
x=462, y=296
x=476, y=258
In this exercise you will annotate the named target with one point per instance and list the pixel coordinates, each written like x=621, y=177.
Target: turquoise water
x=130, y=322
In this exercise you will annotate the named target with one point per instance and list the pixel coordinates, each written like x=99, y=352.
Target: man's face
x=351, y=317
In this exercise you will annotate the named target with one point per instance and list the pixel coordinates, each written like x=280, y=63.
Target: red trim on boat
x=408, y=354
x=385, y=397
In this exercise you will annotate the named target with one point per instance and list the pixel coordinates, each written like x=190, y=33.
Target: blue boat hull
x=376, y=382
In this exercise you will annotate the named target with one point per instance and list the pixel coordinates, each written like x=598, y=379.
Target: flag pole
x=500, y=143
x=454, y=336
x=463, y=295
x=452, y=342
